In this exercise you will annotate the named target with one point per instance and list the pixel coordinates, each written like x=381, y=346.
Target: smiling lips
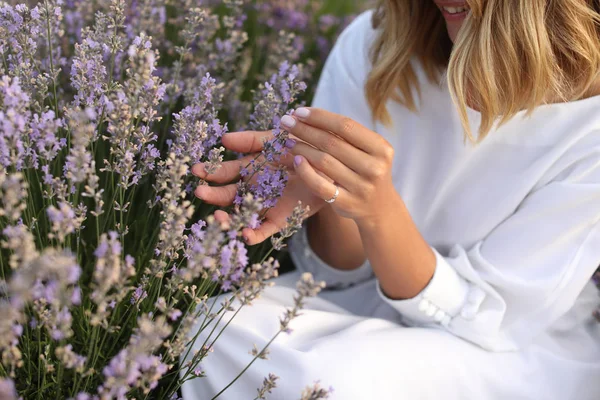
x=453, y=11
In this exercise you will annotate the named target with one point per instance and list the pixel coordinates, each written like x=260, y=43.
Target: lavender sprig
x=88, y=128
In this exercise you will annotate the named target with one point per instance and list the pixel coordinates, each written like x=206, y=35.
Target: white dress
x=514, y=224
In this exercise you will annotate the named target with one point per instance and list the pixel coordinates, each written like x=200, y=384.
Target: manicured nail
x=288, y=122
x=302, y=113
x=290, y=143
x=297, y=160
x=246, y=239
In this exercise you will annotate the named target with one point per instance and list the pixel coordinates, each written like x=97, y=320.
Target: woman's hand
x=356, y=158
x=229, y=173
x=360, y=162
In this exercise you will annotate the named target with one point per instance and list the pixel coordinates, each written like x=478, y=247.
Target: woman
x=455, y=269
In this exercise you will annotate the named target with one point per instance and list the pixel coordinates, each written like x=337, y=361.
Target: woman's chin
x=453, y=29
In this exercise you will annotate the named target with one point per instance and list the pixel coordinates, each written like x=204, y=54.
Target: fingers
x=223, y=218
x=327, y=143
x=328, y=165
x=228, y=171
x=246, y=141
x=255, y=236
x=319, y=185
x=251, y=236
x=346, y=128
x=221, y=196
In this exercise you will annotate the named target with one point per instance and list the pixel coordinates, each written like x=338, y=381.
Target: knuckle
x=330, y=143
x=378, y=171
x=387, y=151
x=321, y=188
x=347, y=125
x=365, y=191
x=325, y=161
x=254, y=143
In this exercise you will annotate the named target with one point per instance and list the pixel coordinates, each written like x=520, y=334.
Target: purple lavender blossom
x=80, y=84
x=273, y=101
x=233, y=261
x=139, y=294
x=8, y=390
x=197, y=128
x=134, y=367
x=14, y=120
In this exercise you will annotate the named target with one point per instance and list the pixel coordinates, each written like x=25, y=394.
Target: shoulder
x=359, y=31
x=351, y=53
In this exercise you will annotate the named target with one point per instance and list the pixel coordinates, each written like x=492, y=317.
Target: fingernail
x=297, y=160
x=246, y=240
x=302, y=112
x=288, y=122
x=290, y=143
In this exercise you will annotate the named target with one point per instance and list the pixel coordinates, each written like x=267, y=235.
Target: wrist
x=383, y=215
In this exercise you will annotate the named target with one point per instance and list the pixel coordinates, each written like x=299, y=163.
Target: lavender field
x=107, y=257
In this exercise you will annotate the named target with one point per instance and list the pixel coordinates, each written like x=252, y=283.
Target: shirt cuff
x=306, y=260
x=446, y=296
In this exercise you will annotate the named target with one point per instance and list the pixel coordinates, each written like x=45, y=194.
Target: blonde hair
x=508, y=56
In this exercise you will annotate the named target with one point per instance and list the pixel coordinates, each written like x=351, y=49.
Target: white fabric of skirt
x=363, y=351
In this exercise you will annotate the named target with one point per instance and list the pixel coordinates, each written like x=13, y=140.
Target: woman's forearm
x=400, y=257
x=336, y=240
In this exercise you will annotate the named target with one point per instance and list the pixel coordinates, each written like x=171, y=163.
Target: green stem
x=91, y=352
x=39, y=380
x=50, y=47
x=248, y=366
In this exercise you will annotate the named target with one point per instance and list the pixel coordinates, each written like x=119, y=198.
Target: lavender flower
x=13, y=190
x=65, y=221
x=233, y=261
x=139, y=294
x=256, y=280
x=175, y=213
x=135, y=366
x=306, y=287
x=78, y=166
x=19, y=240
x=70, y=359
x=19, y=29
x=202, y=251
x=316, y=392
x=110, y=277
x=88, y=128
x=274, y=99
x=294, y=223
x=146, y=16
x=48, y=281
x=44, y=135
x=268, y=385
x=132, y=111
x=14, y=121
x=10, y=332
x=197, y=129
x=7, y=389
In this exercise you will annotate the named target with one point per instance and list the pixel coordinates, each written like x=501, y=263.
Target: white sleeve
x=341, y=85
x=508, y=288
x=306, y=260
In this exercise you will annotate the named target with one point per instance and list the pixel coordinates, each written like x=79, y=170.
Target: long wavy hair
x=509, y=55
